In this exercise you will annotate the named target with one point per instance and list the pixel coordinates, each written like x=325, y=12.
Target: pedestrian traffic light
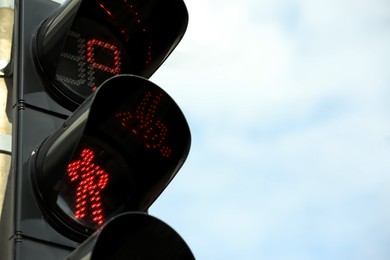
x=115, y=153
x=92, y=137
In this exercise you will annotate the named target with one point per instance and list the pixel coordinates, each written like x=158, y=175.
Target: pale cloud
x=260, y=68
x=289, y=107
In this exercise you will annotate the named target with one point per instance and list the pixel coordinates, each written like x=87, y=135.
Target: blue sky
x=289, y=107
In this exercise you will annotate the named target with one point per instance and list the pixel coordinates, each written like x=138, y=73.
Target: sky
x=289, y=105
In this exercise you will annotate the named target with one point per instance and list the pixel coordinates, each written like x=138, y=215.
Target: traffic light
x=93, y=137
x=88, y=41
x=115, y=153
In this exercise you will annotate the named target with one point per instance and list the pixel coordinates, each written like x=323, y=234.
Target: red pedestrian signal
x=91, y=179
x=116, y=153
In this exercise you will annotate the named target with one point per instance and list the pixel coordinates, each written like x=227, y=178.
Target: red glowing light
x=90, y=58
x=141, y=26
x=105, y=9
x=91, y=47
x=145, y=124
x=91, y=180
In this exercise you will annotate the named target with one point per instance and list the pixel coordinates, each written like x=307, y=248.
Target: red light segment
x=134, y=12
x=91, y=180
x=144, y=123
x=89, y=58
x=139, y=23
x=108, y=47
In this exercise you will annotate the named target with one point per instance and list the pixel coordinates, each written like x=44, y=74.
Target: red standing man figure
x=91, y=180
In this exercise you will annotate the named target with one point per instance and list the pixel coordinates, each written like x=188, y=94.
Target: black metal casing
x=43, y=110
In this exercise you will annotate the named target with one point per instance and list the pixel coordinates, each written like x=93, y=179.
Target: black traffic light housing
x=64, y=52
x=79, y=133
x=87, y=41
x=117, y=152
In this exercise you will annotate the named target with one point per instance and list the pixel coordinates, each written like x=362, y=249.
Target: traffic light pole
x=15, y=242
x=6, y=28
x=6, y=31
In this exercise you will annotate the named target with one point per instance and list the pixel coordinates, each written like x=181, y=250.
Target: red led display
x=89, y=58
x=143, y=122
x=80, y=46
x=91, y=179
x=93, y=52
x=91, y=47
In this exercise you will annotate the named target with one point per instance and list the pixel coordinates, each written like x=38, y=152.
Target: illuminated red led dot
x=90, y=180
x=139, y=23
x=145, y=124
x=91, y=47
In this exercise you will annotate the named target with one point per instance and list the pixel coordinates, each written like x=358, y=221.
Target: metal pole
x=6, y=29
